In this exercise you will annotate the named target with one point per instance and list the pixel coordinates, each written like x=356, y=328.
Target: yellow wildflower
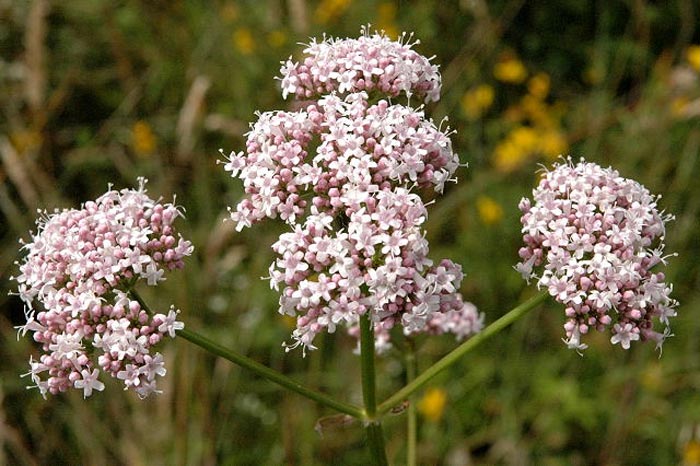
x=477, y=100
x=329, y=10
x=538, y=85
x=243, y=41
x=679, y=106
x=536, y=110
x=691, y=453
x=515, y=149
x=490, y=211
x=386, y=19
x=432, y=405
x=552, y=143
x=524, y=137
x=507, y=157
x=143, y=140
x=693, y=56
x=276, y=38
x=510, y=69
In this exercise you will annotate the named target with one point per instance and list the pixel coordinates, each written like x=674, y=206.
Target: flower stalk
x=412, y=421
x=456, y=354
x=261, y=370
x=373, y=427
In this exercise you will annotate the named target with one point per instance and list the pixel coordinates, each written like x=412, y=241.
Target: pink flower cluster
x=592, y=239
x=340, y=172
x=365, y=64
x=378, y=262
x=80, y=265
x=357, y=147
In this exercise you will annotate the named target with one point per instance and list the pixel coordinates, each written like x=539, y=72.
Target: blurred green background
x=95, y=92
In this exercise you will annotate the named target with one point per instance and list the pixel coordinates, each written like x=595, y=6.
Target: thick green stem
x=263, y=371
x=367, y=362
x=373, y=427
x=456, y=354
x=375, y=439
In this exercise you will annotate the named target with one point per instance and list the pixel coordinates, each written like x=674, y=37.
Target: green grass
x=78, y=78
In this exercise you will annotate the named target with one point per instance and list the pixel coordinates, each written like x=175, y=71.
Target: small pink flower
x=624, y=334
x=89, y=382
x=363, y=148
x=395, y=280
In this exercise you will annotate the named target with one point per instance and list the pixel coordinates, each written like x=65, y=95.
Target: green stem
x=373, y=427
x=456, y=354
x=375, y=438
x=411, y=371
x=263, y=371
x=367, y=363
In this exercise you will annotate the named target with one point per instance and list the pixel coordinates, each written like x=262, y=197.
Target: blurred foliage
x=95, y=92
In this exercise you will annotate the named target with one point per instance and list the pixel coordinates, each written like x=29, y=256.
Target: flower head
x=340, y=172
x=359, y=149
x=592, y=239
x=79, y=267
x=368, y=63
x=378, y=264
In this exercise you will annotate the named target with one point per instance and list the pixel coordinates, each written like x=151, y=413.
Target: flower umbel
x=368, y=63
x=377, y=264
x=79, y=266
x=341, y=172
x=592, y=239
x=361, y=148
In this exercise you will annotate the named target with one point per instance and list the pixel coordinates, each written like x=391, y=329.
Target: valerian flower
x=341, y=172
x=335, y=146
x=368, y=63
x=74, y=280
x=593, y=240
x=377, y=264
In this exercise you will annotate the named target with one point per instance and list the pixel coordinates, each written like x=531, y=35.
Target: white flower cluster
x=361, y=147
x=592, y=239
x=79, y=266
x=340, y=172
x=378, y=264
x=368, y=63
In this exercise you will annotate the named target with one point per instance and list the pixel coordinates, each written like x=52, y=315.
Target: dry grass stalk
x=298, y=16
x=189, y=114
x=34, y=36
x=13, y=215
x=17, y=172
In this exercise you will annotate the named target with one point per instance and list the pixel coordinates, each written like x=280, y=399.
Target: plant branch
x=412, y=421
x=260, y=369
x=456, y=354
x=373, y=427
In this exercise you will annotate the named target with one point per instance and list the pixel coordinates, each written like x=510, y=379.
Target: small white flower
x=624, y=334
x=89, y=382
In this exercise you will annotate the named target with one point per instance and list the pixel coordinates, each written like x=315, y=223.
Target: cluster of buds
x=340, y=171
x=592, y=239
x=368, y=63
x=80, y=266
